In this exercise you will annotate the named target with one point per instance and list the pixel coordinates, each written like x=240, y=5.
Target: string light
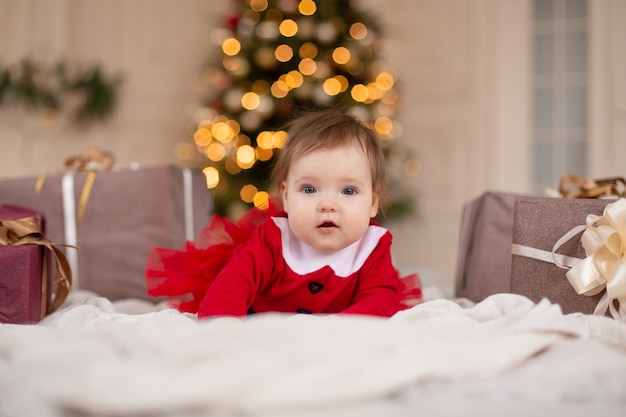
x=231, y=64
x=332, y=86
x=265, y=140
x=279, y=89
x=232, y=167
x=341, y=55
x=250, y=100
x=359, y=93
x=248, y=192
x=222, y=132
x=358, y=31
x=383, y=125
x=288, y=28
x=261, y=200
x=374, y=92
x=294, y=79
x=212, y=176
x=283, y=53
x=245, y=156
x=258, y=5
x=385, y=80
x=215, y=151
x=307, y=66
x=307, y=7
x=308, y=50
x=234, y=126
x=279, y=139
x=343, y=82
x=202, y=137
x=263, y=154
x=231, y=46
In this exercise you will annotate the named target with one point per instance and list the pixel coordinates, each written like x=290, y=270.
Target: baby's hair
x=330, y=129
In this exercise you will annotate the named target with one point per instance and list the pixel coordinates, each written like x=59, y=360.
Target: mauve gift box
x=484, y=257
x=539, y=223
x=24, y=289
x=128, y=212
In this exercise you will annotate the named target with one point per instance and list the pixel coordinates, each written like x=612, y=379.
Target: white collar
x=304, y=259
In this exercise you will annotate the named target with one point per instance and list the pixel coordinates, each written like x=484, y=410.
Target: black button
x=315, y=287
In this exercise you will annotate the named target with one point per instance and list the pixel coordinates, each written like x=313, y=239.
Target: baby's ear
x=283, y=197
x=374, y=209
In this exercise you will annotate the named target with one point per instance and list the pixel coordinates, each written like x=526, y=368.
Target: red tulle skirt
x=183, y=276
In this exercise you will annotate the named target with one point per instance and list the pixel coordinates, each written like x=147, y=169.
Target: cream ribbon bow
x=604, y=241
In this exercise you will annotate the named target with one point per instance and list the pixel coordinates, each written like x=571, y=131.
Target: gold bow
x=92, y=159
x=604, y=241
x=574, y=186
x=27, y=231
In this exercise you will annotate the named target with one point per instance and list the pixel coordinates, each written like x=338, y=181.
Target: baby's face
x=329, y=198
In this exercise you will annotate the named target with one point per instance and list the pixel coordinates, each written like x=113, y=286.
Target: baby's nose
x=327, y=204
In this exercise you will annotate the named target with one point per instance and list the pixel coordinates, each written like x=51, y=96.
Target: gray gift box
x=539, y=223
x=128, y=212
x=495, y=223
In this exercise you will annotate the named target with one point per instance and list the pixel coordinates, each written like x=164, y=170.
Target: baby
x=324, y=254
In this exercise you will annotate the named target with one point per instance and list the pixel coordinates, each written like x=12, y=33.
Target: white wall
x=607, y=113
x=159, y=46
x=464, y=68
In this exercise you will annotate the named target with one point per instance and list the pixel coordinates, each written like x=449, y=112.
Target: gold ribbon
x=574, y=186
x=84, y=194
x=604, y=241
x=26, y=231
x=91, y=160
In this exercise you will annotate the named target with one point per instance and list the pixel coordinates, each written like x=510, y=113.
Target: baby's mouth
x=327, y=224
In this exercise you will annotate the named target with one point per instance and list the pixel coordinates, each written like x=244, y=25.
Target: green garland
x=90, y=94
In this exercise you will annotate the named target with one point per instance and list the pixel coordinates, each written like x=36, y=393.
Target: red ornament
x=231, y=20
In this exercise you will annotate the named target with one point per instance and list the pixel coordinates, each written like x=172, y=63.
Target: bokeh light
x=288, y=28
x=212, y=176
x=358, y=30
x=258, y=5
x=307, y=7
x=341, y=55
x=261, y=200
x=308, y=50
x=231, y=46
x=283, y=53
x=307, y=66
x=248, y=192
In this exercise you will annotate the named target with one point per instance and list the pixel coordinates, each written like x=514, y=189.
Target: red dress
x=259, y=266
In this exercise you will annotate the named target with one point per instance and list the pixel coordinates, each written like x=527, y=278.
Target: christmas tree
x=279, y=58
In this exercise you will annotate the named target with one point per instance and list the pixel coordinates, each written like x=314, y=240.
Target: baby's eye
x=308, y=189
x=349, y=191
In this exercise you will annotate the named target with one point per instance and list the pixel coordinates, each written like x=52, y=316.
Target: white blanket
x=443, y=357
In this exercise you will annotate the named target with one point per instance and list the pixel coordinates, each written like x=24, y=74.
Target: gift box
x=543, y=252
x=125, y=214
x=25, y=286
x=484, y=256
x=527, y=245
